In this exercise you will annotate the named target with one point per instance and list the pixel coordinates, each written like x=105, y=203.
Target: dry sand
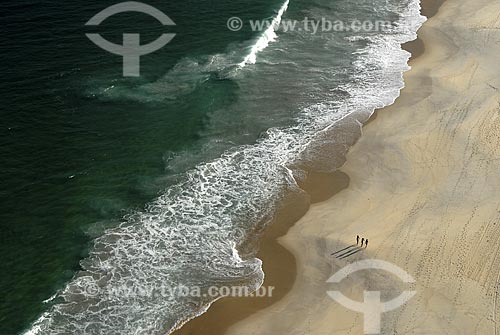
x=424, y=178
x=425, y=189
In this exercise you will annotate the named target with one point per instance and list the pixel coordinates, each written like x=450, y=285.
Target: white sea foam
x=268, y=36
x=188, y=74
x=190, y=233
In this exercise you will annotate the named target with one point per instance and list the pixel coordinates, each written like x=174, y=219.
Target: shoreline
x=279, y=263
x=429, y=8
x=424, y=181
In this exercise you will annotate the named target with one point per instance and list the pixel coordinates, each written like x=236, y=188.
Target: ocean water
x=155, y=182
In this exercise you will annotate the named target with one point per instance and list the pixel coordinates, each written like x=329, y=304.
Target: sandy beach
x=423, y=188
x=422, y=185
x=218, y=167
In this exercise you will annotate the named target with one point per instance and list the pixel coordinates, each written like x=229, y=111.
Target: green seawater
x=103, y=175
x=72, y=163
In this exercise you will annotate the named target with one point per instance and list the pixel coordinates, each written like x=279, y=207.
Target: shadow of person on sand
x=350, y=253
x=345, y=249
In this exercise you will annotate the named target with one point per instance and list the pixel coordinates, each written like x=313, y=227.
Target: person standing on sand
x=362, y=241
x=357, y=240
x=366, y=244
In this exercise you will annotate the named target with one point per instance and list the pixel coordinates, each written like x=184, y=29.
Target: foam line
x=267, y=37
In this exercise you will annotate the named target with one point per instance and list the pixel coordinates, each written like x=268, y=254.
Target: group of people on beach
x=364, y=241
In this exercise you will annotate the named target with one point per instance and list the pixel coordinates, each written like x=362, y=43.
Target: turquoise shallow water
x=130, y=178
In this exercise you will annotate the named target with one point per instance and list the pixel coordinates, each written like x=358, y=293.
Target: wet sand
x=279, y=264
x=424, y=183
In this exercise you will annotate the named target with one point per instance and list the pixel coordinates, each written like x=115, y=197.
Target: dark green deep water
x=73, y=163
